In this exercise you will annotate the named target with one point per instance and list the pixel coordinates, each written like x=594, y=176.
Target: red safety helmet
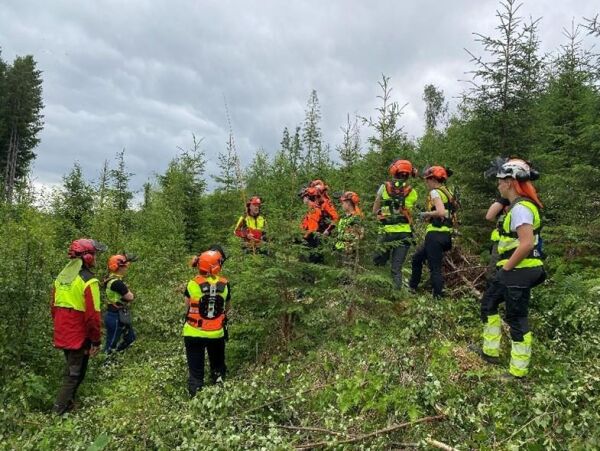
x=85, y=249
x=255, y=201
x=351, y=196
x=439, y=173
x=209, y=262
x=402, y=167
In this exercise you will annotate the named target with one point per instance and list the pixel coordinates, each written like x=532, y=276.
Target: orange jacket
x=319, y=219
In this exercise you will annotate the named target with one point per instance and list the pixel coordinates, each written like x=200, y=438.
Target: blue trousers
x=115, y=332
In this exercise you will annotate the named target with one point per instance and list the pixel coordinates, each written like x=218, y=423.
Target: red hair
x=526, y=189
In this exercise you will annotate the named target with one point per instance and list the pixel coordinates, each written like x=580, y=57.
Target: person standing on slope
x=207, y=298
x=117, y=318
x=393, y=206
x=75, y=308
x=251, y=226
x=519, y=268
x=438, y=236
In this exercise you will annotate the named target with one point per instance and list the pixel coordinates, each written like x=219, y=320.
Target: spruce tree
x=349, y=149
x=120, y=184
x=505, y=83
x=21, y=119
x=315, y=155
x=74, y=203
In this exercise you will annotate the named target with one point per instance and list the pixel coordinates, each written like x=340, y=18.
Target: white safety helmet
x=516, y=169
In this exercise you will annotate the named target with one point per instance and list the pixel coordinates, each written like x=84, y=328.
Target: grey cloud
x=145, y=75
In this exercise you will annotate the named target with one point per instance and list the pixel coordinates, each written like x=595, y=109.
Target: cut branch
x=440, y=445
x=297, y=428
x=371, y=434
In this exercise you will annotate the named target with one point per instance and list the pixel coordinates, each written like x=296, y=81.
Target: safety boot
x=488, y=358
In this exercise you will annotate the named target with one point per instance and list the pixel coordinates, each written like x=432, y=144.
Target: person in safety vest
x=349, y=228
x=251, y=226
x=319, y=220
x=75, y=308
x=519, y=268
x=207, y=298
x=438, y=236
x=117, y=318
x=326, y=204
x=393, y=206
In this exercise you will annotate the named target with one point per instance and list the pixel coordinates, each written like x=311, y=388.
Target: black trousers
x=436, y=243
x=394, y=245
x=75, y=369
x=514, y=289
x=315, y=253
x=194, y=351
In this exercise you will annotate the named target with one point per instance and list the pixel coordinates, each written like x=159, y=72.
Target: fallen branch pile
x=463, y=272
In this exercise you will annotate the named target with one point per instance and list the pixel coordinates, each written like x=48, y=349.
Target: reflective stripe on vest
x=206, y=311
x=439, y=224
x=71, y=295
x=492, y=333
x=509, y=241
x=520, y=355
x=393, y=219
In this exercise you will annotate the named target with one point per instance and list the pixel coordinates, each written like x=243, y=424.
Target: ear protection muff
x=88, y=259
x=534, y=175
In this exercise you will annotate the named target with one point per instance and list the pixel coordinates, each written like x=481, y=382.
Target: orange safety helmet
x=351, y=196
x=310, y=192
x=117, y=261
x=209, y=262
x=439, y=173
x=319, y=184
x=402, y=167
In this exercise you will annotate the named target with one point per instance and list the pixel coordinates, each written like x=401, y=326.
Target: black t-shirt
x=118, y=286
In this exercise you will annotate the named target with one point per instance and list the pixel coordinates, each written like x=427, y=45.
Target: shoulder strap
x=200, y=280
x=447, y=193
x=517, y=201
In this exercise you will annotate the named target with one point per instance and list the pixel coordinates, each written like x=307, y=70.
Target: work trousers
x=432, y=251
x=195, y=348
x=115, y=331
x=514, y=289
x=394, y=245
x=75, y=368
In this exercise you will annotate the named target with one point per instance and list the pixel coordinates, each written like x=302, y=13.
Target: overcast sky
x=145, y=74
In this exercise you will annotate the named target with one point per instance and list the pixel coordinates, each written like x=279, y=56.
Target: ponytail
x=526, y=189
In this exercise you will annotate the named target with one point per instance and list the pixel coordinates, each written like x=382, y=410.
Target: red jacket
x=73, y=328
